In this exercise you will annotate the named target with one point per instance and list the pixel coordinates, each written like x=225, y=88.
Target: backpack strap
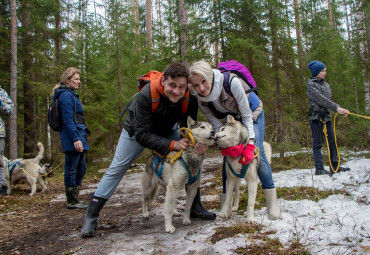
x=74, y=103
x=156, y=89
x=228, y=78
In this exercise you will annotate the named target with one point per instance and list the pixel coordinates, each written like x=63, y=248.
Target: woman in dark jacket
x=73, y=135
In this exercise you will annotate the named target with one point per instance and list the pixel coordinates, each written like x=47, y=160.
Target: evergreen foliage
x=100, y=38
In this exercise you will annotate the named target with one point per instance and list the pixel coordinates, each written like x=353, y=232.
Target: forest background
x=113, y=42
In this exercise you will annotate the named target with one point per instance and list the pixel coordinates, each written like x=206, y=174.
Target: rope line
x=43, y=174
x=335, y=139
x=178, y=154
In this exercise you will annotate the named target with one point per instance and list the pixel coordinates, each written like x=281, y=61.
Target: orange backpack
x=154, y=79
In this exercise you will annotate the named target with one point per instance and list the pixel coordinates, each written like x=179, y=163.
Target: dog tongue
x=233, y=151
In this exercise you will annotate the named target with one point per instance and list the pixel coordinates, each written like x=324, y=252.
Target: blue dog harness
x=242, y=173
x=159, y=160
x=11, y=167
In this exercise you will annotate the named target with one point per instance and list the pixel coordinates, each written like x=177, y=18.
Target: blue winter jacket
x=71, y=132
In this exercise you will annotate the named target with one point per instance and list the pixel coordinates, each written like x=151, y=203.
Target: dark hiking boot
x=321, y=171
x=91, y=220
x=198, y=211
x=340, y=169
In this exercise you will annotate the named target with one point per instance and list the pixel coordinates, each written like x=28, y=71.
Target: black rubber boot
x=4, y=190
x=198, y=211
x=91, y=220
x=321, y=171
x=72, y=199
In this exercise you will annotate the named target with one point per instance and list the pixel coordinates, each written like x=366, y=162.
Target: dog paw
x=170, y=229
x=235, y=208
x=224, y=215
x=176, y=213
x=250, y=219
x=186, y=222
x=146, y=214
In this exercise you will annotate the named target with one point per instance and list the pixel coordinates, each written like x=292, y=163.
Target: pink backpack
x=232, y=66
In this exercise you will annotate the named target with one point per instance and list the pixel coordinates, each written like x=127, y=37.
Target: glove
x=247, y=154
x=233, y=151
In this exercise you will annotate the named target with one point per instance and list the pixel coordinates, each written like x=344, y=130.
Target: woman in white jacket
x=215, y=104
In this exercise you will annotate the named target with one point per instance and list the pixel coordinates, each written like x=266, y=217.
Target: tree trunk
x=12, y=131
x=170, y=23
x=118, y=59
x=330, y=15
x=161, y=42
x=276, y=75
x=149, y=25
x=298, y=33
x=137, y=23
x=217, y=50
x=29, y=99
x=183, y=32
x=57, y=42
x=221, y=29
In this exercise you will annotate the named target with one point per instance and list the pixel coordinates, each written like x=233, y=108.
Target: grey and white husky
x=233, y=133
x=174, y=177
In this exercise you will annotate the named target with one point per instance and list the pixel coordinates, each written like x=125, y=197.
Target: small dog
x=233, y=133
x=175, y=176
x=33, y=169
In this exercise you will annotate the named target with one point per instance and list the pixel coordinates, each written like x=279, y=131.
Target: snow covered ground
x=338, y=224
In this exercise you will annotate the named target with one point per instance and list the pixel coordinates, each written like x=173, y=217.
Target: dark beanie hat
x=316, y=67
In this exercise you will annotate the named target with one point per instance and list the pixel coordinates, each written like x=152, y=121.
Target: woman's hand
x=342, y=111
x=200, y=148
x=78, y=146
x=183, y=144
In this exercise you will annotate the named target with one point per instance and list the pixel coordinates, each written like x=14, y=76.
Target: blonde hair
x=67, y=74
x=202, y=68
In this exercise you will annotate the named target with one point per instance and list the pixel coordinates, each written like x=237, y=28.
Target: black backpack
x=55, y=118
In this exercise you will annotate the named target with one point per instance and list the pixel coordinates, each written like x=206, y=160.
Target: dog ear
x=191, y=122
x=230, y=119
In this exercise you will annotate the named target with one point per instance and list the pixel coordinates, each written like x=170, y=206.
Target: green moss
x=226, y=232
x=272, y=246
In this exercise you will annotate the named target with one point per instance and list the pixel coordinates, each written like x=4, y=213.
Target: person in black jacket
x=156, y=130
x=320, y=100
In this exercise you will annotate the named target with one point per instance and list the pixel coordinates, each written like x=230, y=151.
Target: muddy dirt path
x=45, y=226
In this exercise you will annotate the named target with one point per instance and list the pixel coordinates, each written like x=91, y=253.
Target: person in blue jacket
x=73, y=135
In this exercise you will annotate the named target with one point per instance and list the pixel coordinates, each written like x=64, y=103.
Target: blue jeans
x=74, y=168
x=128, y=149
x=264, y=169
x=317, y=128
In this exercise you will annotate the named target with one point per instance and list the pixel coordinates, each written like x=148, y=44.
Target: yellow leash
x=178, y=154
x=362, y=116
x=335, y=139
x=43, y=174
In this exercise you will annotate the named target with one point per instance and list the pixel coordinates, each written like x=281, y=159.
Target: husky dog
x=233, y=133
x=33, y=171
x=175, y=176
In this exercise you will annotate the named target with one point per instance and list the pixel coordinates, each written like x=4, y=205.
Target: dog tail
x=41, y=152
x=268, y=151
